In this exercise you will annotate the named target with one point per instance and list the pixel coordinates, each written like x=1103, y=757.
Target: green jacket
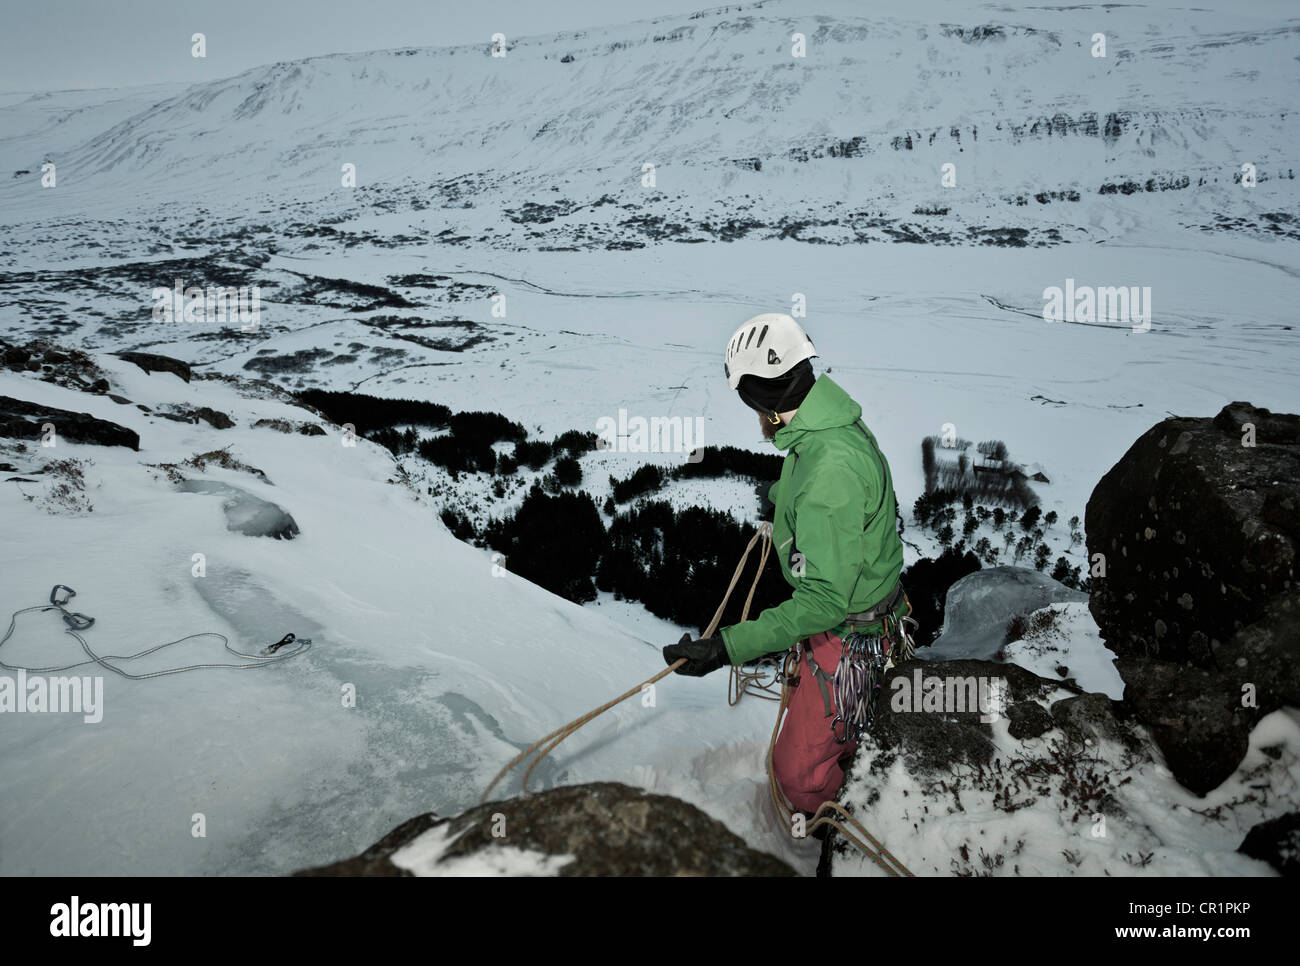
x=835, y=508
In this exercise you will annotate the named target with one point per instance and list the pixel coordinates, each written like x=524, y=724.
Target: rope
x=855, y=832
x=559, y=734
x=258, y=660
x=859, y=836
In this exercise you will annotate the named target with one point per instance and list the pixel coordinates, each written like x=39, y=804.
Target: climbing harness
x=62, y=594
x=860, y=672
x=830, y=814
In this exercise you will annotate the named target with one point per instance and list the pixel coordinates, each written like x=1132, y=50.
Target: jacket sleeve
x=829, y=514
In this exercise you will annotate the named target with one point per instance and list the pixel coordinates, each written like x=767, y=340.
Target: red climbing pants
x=806, y=759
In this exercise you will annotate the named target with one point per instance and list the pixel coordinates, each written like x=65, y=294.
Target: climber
x=834, y=536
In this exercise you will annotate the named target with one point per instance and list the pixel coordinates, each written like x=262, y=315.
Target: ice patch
x=245, y=513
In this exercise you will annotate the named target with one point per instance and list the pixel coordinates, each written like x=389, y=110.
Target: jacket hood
x=826, y=406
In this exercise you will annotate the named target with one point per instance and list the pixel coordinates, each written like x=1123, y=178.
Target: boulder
x=151, y=362
x=1276, y=842
x=1198, y=526
x=215, y=419
x=608, y=829
x=932, y=742
x=981, y=604
x=24, y=420
x=69, y=368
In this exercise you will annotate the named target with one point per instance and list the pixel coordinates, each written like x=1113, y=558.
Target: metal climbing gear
x=860, y=673
x=80, y=622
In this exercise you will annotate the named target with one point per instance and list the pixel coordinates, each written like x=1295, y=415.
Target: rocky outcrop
x=151, y=362
x=69, y=368
x=1197, y=528
x=607, y=828
x=290, y=426
x=192, y=414
x=950, y=747
x=24, y=420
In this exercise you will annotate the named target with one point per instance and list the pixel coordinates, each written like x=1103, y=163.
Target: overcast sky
x=63, y=44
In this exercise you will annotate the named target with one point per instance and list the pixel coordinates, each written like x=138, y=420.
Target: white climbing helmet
x=766, y=346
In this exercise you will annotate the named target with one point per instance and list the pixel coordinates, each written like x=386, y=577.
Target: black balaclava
x=780, y=394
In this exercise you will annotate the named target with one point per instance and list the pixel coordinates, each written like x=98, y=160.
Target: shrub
x=460, y=526
x=457, y=454
x=574, y=442
x=647, y=479
x=368, y=413
x=486, y=427
x=554, y=541
x=724, y=460
x=568, y=471
x=533, y=454
x=678, y=564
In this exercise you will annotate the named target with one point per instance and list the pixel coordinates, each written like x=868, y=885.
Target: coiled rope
x=830, y=814
x=81, y=621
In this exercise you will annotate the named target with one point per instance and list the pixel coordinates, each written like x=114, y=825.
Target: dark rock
x=287, y=426
x=213, y=418
x=1200, y=534
x=151, y=363
x=20, y=419
x=931, y=742
x=610, y=830
x=100, y=387
x=1276, y=842
x=1089, y=717
x=1028, y=720
x=15, y=357
x=120, y=400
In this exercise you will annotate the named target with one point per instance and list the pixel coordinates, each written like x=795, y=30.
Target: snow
x=1072, y=642
x=1155, y=827
x=456, y=664
x=425, y=856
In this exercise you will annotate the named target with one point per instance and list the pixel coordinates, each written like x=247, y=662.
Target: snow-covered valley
x=501, y=252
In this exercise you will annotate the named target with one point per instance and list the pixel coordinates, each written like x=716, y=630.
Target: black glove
x=702, y=656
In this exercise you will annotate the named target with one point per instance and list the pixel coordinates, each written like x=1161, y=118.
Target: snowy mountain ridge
x=550, y=139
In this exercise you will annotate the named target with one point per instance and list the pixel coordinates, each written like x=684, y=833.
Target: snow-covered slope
x=456, y=664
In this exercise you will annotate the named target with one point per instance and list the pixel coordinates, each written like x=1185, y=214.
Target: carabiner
x=55, y=593
x=287, y=639
x=78, y=622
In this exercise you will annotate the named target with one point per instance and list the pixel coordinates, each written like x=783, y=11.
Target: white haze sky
x=67, y=44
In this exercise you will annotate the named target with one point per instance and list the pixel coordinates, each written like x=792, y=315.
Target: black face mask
x=777, y=395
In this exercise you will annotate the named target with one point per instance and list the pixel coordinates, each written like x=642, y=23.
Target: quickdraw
x=860, y=673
